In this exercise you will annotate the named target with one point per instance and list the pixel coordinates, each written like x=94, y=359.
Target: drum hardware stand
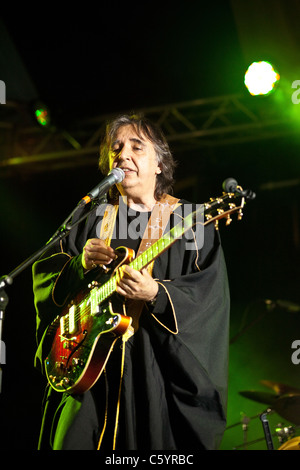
x=284, y=433
x=266, y=428
x=245, y=426
x=245, y=420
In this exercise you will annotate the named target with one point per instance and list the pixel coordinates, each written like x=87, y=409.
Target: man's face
x=137, y=157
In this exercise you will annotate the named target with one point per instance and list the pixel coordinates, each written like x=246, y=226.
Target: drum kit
x=285, y=401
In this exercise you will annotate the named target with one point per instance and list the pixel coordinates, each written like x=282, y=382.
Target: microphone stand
x=7, y=280
x=266, y=428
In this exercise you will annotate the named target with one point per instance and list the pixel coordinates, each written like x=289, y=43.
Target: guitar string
x=107, y=289
x=110, y=285
x=85, y=311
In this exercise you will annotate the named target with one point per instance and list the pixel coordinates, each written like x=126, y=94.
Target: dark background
x=89, y=60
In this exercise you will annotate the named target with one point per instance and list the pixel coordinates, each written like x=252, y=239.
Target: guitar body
x=84, y=336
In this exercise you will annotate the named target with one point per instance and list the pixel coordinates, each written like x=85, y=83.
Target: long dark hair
x=143, y=127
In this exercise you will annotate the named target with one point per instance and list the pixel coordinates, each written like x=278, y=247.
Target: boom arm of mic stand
x=6, y=280
x=61, y=228
x=62, y=233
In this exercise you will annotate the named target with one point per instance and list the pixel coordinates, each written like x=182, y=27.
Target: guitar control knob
x=67, y=382
x=76, y=361
x=59, y=365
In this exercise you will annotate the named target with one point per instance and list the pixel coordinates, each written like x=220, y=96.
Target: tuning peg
x=240, y=214
x=228, y=220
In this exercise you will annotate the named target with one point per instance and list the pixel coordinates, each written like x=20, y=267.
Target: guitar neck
x=161, y=245
x=205, y=214
x=149, y=255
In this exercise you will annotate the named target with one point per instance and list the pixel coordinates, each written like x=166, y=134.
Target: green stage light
x=260, y=78
x=42, y=115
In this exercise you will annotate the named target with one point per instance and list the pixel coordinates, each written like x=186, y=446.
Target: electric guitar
x=83, y=336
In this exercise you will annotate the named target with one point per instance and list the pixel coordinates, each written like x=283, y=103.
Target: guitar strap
x=155, y=228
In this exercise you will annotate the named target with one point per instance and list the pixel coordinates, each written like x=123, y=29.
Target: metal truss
x=25, y=147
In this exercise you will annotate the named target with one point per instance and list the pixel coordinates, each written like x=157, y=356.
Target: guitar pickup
x=72, y=320
x=69, y=322
x=95, y=307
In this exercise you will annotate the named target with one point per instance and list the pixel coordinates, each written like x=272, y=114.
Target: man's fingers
x=96, y=252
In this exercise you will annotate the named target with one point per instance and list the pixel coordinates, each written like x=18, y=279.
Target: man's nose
x=124, y=153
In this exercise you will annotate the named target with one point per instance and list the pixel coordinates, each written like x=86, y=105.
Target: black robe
x=174, y=383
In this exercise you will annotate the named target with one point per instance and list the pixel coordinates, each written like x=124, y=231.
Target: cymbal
x=288, y=407
x=279, y=388
x=260, y=397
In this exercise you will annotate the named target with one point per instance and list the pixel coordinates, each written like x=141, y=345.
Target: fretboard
x=149, y=255
x=205, y=214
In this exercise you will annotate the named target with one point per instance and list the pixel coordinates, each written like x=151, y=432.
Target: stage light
x=260, y=78
x=42, y=115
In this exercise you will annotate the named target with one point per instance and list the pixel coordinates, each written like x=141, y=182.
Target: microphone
x=114, y=176
x=230, y=185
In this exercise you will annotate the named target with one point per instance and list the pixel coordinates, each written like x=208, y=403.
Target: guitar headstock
x=225, y=206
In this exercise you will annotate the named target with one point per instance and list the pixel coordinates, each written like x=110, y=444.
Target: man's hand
x=96, y=253
x=137, y=285
x=133, y=284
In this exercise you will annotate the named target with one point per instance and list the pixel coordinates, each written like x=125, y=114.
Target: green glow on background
x=261, y=352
